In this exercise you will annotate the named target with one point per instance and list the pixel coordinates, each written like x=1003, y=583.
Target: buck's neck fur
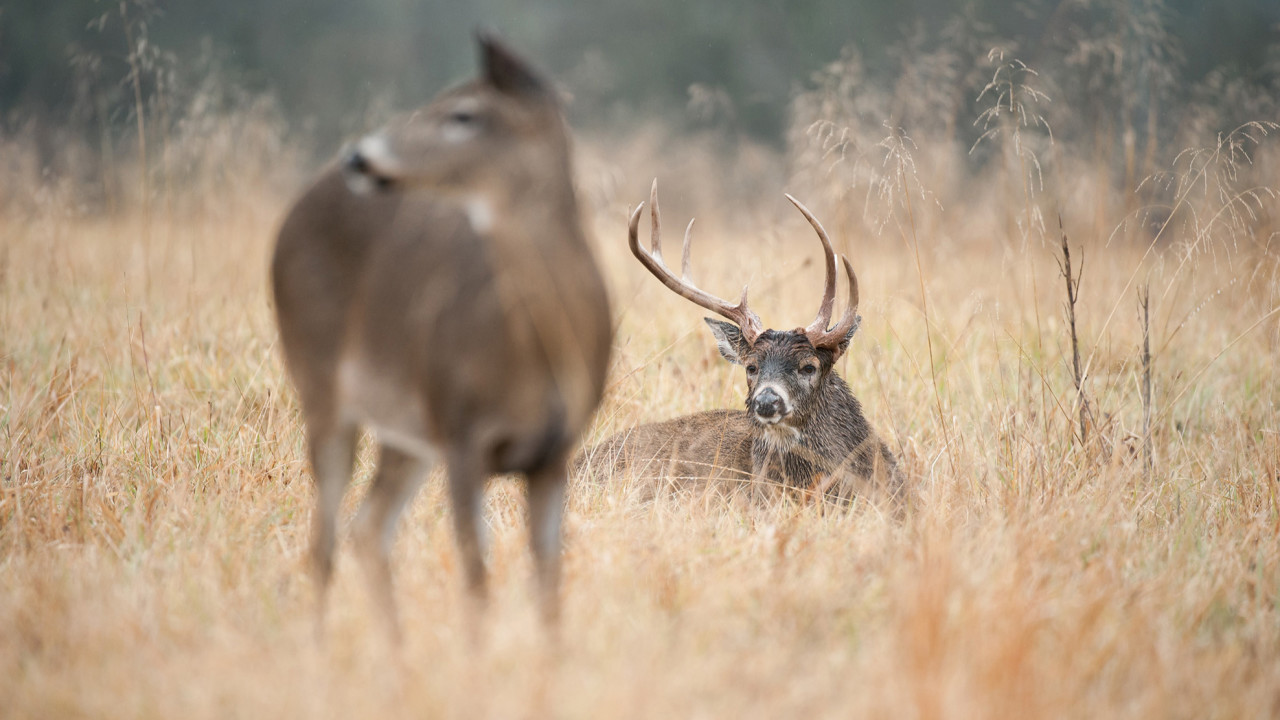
x=814, y=442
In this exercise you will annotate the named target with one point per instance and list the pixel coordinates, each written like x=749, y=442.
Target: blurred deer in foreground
x=437, y=288
x=802, y=428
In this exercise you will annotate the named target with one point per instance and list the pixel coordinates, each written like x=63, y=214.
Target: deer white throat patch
x=780, y=437
x=479, y=213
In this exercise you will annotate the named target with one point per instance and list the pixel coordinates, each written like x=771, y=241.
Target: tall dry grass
x=154, y=500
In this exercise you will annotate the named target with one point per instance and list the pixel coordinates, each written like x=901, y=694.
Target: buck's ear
x=729, y=340
x=838, y=350
x=506, y=71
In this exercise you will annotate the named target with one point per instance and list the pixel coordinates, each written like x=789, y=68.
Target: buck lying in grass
x=802, y=428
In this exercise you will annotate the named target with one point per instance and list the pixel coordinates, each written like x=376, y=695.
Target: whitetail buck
x=437, y=288
x=802, y=428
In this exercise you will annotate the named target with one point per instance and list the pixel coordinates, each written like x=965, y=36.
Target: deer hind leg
x=332, y=451
x=546, y=509
x=399, y=477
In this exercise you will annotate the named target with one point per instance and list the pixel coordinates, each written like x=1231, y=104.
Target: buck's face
x=784, y=371
x=468, y=139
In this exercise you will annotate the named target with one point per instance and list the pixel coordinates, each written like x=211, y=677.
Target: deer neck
x=527, y=196
x=533, y=236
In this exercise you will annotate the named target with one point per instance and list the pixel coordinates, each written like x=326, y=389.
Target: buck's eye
x=752, y=369
x=808, y=369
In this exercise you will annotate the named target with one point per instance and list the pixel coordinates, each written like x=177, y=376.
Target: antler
x=742, y=316
x=817, y=331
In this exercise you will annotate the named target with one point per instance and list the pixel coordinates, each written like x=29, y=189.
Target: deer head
x=499, y=131
x=786, y=370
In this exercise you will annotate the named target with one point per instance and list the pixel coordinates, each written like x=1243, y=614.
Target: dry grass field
x=154, y=497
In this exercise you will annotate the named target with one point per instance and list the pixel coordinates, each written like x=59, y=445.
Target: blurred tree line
x=330, y=66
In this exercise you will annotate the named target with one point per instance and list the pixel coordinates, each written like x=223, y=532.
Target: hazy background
x=733, y=65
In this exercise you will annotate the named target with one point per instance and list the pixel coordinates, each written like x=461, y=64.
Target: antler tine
x=655, y=224
x=684, y=255
x=820, y=323
x=746, y=320
x=848, y=321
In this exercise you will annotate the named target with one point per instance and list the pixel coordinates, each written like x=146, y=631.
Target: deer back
x=686, y=452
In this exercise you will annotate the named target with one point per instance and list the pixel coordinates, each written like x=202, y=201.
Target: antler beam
x=817, y=331
x=741, y=315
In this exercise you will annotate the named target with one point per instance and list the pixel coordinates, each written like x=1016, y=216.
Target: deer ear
x=729, y=340
x=839, y=349
x=505, y=70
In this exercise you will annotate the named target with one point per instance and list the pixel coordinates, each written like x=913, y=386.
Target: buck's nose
x=768, y=405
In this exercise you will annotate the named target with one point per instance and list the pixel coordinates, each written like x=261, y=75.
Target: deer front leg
x=546, y=508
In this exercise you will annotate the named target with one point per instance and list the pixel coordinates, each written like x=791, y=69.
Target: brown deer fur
x=803, y=429
x=437, y=288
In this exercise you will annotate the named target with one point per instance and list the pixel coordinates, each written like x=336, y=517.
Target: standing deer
x=437, y=288
x=802, y=428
